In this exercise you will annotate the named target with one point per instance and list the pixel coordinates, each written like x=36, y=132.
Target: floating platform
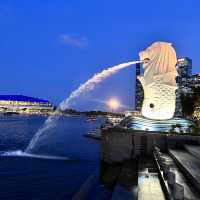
x=93, y=136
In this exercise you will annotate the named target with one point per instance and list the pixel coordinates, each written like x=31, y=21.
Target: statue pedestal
x=142, y=123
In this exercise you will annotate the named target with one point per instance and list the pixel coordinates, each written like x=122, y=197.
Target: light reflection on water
x=24, y=177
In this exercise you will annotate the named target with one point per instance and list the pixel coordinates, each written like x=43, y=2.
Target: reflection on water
x=25, y=177
x=64, y=164
x=20, y=153
x=120, y=174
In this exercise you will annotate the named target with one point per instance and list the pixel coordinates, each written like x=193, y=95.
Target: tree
x=196, y=114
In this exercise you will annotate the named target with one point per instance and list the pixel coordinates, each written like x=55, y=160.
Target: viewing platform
x=144, y=124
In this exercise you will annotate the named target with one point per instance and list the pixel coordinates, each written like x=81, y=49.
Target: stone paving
x=149, y=187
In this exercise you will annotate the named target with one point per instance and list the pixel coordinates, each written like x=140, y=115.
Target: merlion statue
x=159, y=81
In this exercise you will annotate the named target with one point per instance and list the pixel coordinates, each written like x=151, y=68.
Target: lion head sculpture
x=159, y=60
x=159, y=81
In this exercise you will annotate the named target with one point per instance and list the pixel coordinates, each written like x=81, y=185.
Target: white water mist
x=87, y=86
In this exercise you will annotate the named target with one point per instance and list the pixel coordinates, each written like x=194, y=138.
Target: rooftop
x=21, y=98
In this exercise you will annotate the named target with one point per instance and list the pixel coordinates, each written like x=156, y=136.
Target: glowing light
x=113, y=104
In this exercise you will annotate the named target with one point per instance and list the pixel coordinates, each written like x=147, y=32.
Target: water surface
x=40, y=179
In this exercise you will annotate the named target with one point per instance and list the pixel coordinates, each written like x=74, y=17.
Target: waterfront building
x=188, y=84
x=24, y=105
x=184, y=69
x=139, y=93
x=195, y=81
x=184, y=65
x=186, y=80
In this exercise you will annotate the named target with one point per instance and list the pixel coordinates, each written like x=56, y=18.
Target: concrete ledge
x=166, y=188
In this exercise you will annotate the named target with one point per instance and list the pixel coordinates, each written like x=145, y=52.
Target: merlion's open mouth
x=144, y=56
x=146, y=60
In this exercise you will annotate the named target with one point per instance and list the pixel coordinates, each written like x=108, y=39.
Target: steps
x=193, y=149
x=189, y=165
x=172, y=177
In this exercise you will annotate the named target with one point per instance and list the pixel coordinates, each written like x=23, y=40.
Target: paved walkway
x=149, y=187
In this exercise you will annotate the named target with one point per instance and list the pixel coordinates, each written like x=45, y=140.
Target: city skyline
x=49, y=49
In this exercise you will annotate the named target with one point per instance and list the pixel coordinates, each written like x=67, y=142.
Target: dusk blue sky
x=48, y=48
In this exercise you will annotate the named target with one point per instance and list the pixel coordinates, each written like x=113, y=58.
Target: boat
x=10, y=113
x=95, y=134
x=91, y=119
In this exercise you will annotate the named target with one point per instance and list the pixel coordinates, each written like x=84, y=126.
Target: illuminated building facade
x=24, y=105
x=139, y=93
x=195, y=81
x=184, y=69
x=187, y=82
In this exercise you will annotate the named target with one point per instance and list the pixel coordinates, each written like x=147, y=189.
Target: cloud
x=69, y=40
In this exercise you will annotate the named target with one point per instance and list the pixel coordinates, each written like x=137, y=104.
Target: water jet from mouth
x=86, y=87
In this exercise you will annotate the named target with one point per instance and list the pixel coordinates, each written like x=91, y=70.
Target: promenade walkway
x=149, y=187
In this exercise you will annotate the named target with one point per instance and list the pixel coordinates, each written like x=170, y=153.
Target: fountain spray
x=87, y=86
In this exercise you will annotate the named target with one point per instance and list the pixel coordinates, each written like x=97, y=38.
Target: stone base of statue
x=145, y=124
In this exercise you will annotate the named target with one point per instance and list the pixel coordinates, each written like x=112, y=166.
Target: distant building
x=184, y=69
x=184, y=66
x=195, y=81
x=188, y=85
x=24, y=105
x=139, y=93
